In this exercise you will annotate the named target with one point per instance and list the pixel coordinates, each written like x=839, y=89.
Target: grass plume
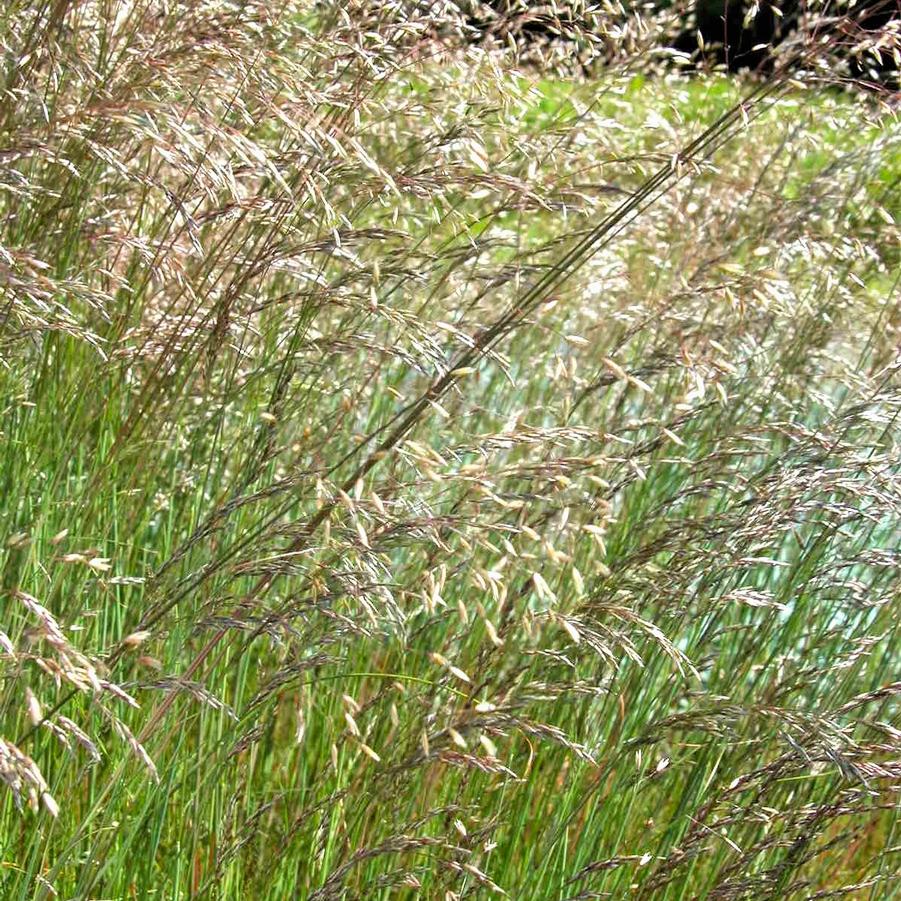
x=428, y=475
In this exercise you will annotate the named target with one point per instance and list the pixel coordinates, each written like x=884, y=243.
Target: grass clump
x=424, y=478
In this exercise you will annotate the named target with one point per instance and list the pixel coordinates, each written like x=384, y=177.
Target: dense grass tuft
x=423, y=477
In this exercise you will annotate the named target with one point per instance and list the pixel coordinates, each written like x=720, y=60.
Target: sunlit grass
x=426, y=478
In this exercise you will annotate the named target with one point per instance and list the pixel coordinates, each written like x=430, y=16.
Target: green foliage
x=424, y=478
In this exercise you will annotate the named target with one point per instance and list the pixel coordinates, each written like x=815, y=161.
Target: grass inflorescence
x=424, y=476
